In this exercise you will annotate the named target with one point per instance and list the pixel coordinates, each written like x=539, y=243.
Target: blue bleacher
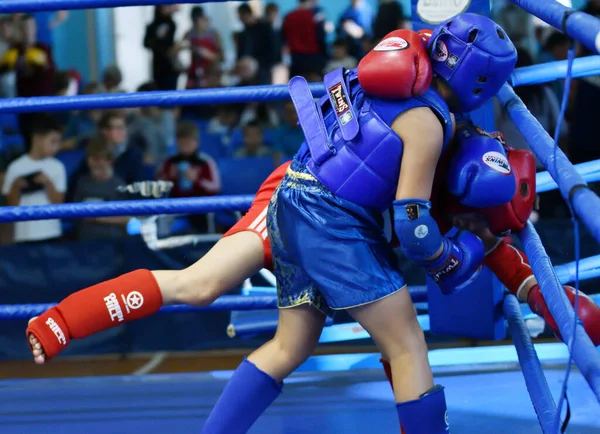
x=9, y=123
x=244, y=175
x=71, y=159
x=241, y=176
x=212, y=144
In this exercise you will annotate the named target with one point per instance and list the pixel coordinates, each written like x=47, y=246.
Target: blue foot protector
x=426, y=415
x=248, y=394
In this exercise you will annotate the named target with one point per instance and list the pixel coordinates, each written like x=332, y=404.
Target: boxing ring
x=485, y=391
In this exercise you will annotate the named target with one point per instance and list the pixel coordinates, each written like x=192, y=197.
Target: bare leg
x=256, y=383
x=393, y=325
x=298, y=332
x=232, y=260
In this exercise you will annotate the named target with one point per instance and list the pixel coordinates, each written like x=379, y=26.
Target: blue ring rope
x=174, y=98
x=539, y=391
x=585, y=202
x=418, y=294
x=522, y=76
x=580, y=26
x=194, y=205
x=11, y=6
x=584, y=353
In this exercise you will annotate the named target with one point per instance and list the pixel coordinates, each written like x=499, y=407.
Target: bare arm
x=13, y=198
x=423, y=138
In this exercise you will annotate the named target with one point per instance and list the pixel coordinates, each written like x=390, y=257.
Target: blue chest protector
x=350, y=147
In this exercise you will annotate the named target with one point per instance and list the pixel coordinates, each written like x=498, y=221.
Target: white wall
x=130, y=26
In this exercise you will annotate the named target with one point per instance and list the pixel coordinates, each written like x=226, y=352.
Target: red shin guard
x=388, y=371
x=510, y=266
x=587, y=311
x=129, y=297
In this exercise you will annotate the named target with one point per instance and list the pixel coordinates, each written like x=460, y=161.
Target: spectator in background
x=244, y=73
x=150, y=129
x=585, y=111
x=81, y=125
x=128, y=160
x=212, y=78
x=518, y=24
x=111, y=79
x=288, y=136
x=555, y=48
x=62, y=83
x=193, y=174
x=304, y=33
x=257, y=40
x=253, y=142
x=355, y=23
x=389, y=17
x=47, y=22
x=99, y=185
x=274, y=19
x=34, y=66
x=8, y=84
x=37, y=178
x=541, y=102
x=160, y=39
x=205, y=45
x=340, y=57
x=227, y=118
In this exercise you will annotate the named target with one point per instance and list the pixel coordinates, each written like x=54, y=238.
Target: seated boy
x=37, y=178
x=99, y=185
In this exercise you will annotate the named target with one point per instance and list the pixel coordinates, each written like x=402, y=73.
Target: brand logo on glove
x=497, y=162
x=440, y=53
x=340, y=103
x=392, y=44
x=452, y=61
x=114, y=310
x=135, y=300
x=57, y=331
x=449, y=267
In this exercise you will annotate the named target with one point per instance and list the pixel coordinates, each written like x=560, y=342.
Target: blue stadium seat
x=9, y=122
x=244, y=175
x=71, y=160
x=241, y=176
x=212, y=144
x=13, y=143
x=150, y=171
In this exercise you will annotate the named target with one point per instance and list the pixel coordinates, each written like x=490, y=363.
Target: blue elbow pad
x=417, y=231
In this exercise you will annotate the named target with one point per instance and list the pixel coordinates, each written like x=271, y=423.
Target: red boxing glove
x=397, y=68
x=587, y=310
x=512, y=216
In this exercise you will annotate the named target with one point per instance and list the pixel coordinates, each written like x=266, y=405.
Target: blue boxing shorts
x=327, y=251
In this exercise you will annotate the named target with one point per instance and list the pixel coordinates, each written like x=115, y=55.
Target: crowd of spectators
x=83, y=156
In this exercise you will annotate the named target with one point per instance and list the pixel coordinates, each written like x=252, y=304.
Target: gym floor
x=482, y=398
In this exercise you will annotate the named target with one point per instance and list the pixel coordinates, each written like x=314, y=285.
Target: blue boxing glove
x=420, y=238
x=480, y=175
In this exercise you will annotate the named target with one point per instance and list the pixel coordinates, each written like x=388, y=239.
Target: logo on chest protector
x=340, y=103
x=449, y=267
x=497, y=162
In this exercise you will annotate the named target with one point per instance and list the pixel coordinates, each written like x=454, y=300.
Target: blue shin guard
x=426, y=415
x=248, y=394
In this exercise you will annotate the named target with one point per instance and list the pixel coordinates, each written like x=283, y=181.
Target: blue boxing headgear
x=474, y=56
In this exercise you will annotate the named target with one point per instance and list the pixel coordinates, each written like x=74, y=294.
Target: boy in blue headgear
x=369, y=148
